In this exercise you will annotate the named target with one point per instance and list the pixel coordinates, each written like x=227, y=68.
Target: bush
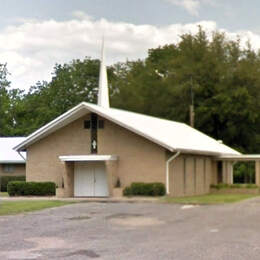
x=5, y=179
x=145, y=189
x=22, y=188
x=234, y=186
x=251, y=186
x=127, y=191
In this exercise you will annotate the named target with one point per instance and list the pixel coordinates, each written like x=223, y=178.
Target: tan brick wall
x=68, y=179
x=190, y=180
x=18, y=171
x=200, y=189
x=190, y=175
x=43, y=163
x=176, y=177
x=208, y=174
x=139, y=159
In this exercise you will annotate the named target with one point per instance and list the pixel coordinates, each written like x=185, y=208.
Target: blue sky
x=35, y=34
x=231, y=14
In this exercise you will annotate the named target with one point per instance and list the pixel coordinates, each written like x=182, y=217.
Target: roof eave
x=200, y=152
x=12, y=162
x=242, y=157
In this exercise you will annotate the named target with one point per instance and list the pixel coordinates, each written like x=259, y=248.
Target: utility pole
x=192, y=113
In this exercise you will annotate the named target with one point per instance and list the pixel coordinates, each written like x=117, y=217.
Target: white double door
x=90, y=179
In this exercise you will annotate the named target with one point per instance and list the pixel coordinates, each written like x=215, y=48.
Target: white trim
x=87, y=158
x=21, y=155
x=12, y=162
x=167, y=171
x=242, y=157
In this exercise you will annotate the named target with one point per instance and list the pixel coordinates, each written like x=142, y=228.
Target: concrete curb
x=86, y=200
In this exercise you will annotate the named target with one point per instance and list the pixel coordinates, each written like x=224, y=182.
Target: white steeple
x=103, y=96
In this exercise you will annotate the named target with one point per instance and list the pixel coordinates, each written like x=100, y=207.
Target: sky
x=37, y=34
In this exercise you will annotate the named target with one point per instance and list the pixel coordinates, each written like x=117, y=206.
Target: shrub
x=127, y=191
x=234, y=186
x=145, y=189
x=22, y=188
x=5, y=179
x=251, y=186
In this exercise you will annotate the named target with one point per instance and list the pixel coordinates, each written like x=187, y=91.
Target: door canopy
x=87, y=158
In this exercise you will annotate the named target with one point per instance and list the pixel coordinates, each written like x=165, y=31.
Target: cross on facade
x=94, y=144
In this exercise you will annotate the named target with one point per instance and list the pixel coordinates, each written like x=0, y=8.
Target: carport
x=228, y=163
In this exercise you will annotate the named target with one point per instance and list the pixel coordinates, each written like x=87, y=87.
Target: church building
x=91, y=148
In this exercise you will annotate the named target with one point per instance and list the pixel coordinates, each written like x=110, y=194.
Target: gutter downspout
x=21, y=155
x=167, y=170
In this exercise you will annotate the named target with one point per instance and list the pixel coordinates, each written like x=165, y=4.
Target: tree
x=219, y=76
x=4, y=100
x=222, y=77
x=71, y=84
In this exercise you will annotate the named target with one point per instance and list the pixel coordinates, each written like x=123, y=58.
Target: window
x=8, y=168
x=87, y=124
x=94, y=140
x=94, y=120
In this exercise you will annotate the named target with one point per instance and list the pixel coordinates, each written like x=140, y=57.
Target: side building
x=11, y=162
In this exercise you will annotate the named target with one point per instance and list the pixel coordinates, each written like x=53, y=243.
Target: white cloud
x=32, y=48
x=192, y=6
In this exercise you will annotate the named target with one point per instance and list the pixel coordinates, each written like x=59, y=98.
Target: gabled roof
x=7, y=154
x=171, y=135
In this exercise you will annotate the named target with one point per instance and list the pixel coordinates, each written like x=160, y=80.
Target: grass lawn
x=3, y=194
x=209, y=199
x=16, y=207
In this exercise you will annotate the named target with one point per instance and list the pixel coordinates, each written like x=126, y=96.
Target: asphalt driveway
x=134, y=231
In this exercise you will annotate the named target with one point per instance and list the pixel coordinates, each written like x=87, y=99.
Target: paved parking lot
x=134, y=231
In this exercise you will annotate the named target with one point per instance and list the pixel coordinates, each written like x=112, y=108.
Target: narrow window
x=94, y=119
x=94, y=141
x=87, y=124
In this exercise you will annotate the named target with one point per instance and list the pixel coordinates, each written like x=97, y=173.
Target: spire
x=103, y=96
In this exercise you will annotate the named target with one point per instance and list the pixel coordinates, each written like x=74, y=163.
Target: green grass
x=209, y=199
x=4, y=194
x=16, y=207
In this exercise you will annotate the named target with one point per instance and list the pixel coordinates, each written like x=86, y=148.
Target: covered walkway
x=229, y=161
